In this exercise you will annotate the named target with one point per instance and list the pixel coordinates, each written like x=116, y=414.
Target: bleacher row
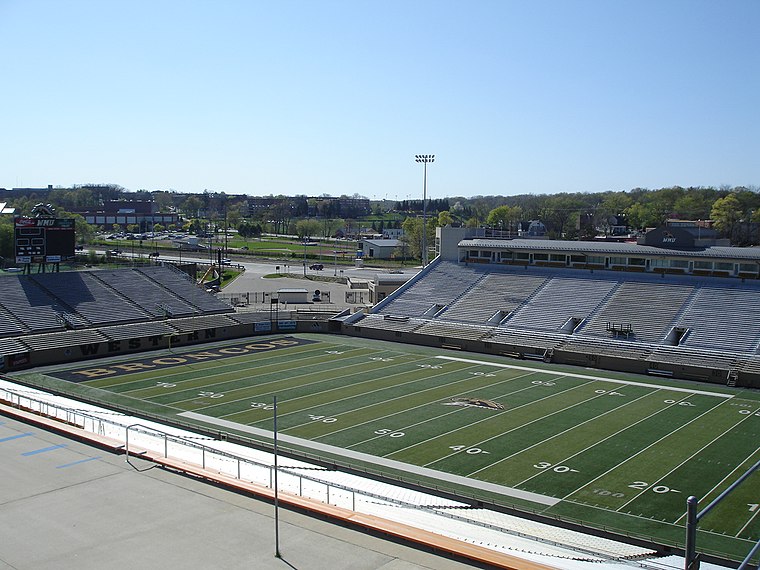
x=58, y=302
x=717, y=320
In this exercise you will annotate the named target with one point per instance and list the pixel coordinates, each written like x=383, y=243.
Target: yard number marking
x=262, y=406
x=323, y=419
x=205, y=394
x=165, y=384
x=469, y=450
x=689, y=404
x=389, y=432
x=542, y=383
x=643, y=485
x=555, y=468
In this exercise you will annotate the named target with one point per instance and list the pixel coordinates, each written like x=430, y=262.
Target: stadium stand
x=663, y=302
x=48, y=311
x=439, y=288
x=155, y=300
x=30, y=305
x=90, y=299
x=559, y=300
x=688, y=326
x=171, y=280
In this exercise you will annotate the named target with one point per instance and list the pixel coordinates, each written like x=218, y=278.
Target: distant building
x=379, y=248
x=128, y=212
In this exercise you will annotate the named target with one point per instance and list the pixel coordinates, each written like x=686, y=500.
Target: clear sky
x=321, y=97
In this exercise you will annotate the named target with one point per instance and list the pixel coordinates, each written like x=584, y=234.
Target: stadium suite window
x=724, y=266
x=557, y=257
x=595, y=259
x=639, y=261
x=679, y=263
x=618, y=261
x=578, y=258
x=541, y=256
x=522, y=256
x=703, y=265
x=748, y=268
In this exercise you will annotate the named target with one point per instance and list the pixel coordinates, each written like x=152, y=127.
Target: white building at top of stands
x=669, y=250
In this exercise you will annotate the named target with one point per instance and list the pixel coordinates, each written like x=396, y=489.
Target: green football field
x=616, y=451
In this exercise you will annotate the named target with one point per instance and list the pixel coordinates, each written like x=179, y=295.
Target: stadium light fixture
x=424, y=159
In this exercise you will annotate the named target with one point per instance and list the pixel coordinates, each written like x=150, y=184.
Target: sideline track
x=390, y=463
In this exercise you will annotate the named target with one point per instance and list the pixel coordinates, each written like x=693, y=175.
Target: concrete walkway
x=64, y=504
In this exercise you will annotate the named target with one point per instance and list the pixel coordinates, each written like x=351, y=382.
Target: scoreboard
x=43, y=240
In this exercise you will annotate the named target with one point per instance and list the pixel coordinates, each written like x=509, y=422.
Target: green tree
x=307, y=228
x=6, y=238
x=191, y=206
x=726, y=214
x=504, y=217
x=445, y=218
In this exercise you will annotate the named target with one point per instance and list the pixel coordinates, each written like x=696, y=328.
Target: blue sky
x=316, y=97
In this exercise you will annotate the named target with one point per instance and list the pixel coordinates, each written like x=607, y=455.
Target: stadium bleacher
x=665, y=319
x=44, y=311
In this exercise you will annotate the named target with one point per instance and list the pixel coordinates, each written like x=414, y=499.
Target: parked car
x=316, y=266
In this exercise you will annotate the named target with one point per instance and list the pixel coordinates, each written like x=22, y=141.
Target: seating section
x=558, y=300
x=146, y=293
x=440, y=287
x=175, y=281
x=569, y=310
x=723, y=318
x=495, y=293
x=59, y=302
x=83, y=294
x=28, y=303
x=10, y=325
x=650, y=309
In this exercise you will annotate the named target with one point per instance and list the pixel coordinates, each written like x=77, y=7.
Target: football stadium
x=563, y=398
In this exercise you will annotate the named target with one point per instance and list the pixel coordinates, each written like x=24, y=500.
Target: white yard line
x=616, y=409
x=588, y=377
x=521, y=426
x=426, y=404
x=242, y=371
x=746, y=461
x=692, y=456
x=233, y=362
x=642, y=451
x=371, y=459
x=480, y=421
x=741, y=530
x=312, y=394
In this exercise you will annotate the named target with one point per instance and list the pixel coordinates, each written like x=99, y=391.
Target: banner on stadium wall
x=286, y=325
x=262, y=327
x=18, y=359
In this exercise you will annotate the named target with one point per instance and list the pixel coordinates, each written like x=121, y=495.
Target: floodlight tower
x=424, y=159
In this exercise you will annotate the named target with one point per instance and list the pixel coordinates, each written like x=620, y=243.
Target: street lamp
x=424, y=159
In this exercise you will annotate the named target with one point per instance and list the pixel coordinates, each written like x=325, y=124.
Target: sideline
x=390, y=463
x=587, y=377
